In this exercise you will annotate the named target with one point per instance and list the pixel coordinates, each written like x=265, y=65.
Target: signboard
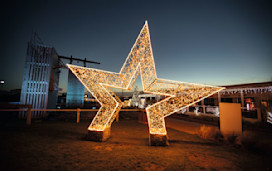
x=230, y=118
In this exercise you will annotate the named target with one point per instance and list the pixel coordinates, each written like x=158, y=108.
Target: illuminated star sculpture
x=179, y=95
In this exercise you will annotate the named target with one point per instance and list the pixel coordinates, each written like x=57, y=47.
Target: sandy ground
x=184, y=126
x=60, y=145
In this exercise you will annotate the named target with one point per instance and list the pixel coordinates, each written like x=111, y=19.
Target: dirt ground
x=60, y=145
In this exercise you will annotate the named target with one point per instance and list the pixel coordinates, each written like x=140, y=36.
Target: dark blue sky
x=212, y=42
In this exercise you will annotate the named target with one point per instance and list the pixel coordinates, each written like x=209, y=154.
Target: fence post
x=117, y=117
x=259, y=114
x=203, y=105
x=78, y=115
x=28, y=117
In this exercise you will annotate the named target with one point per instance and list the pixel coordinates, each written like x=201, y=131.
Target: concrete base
x=158, y=140
x=99, y=136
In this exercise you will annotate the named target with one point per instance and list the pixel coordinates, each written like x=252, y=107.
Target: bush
x=248, y=140
x=232, y=139
x=211, y=133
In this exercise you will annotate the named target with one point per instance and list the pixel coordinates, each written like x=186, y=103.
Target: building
x=255, y=100
x=75, y=91
x=41, y=77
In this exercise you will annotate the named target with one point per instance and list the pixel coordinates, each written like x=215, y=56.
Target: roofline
x=247, y=84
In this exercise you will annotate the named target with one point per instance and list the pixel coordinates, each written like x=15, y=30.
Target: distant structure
x=41, y=76
x=135, y=100
x=255, y=100
x=75, y=91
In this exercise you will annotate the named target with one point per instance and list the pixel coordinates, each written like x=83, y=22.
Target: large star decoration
x=179, y=95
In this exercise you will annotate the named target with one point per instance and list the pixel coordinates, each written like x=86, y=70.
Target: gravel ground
x=60, y=145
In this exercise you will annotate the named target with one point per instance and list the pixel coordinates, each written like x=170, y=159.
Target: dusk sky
x=211, y=42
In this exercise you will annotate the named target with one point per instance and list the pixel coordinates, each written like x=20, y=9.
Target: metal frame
x=37, y=77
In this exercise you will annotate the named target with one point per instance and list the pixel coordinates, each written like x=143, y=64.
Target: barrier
x=78, y=110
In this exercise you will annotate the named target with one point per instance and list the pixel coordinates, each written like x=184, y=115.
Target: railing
x=213, y=111
x=200, y=109
x=78, y=110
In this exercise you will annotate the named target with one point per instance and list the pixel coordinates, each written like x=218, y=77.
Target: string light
x=139, y=61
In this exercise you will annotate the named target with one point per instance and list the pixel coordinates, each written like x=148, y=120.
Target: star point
x=140, y=60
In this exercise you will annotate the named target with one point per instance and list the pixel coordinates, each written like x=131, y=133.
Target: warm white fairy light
x=269, y=117
x=140, y=60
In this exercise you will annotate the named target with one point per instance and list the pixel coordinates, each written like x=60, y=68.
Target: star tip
x=221, y=88
x=69, y=66
x=146, y=22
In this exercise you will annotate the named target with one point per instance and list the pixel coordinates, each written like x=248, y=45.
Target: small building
x=255, y=100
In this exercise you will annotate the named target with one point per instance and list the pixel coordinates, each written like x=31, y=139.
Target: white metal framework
x=140, y=60
x=40, y=79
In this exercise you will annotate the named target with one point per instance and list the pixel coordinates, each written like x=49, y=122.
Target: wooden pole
x=28, y=117
x=117, y=117
x=242, y=98
x=219, y=98
x=203, y=105
x=78, y=115
x=259, y=114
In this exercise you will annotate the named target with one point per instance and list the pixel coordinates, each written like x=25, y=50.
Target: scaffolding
x=41, y=77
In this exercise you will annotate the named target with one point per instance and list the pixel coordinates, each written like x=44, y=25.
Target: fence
x=29, y=111
x=213, y=111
